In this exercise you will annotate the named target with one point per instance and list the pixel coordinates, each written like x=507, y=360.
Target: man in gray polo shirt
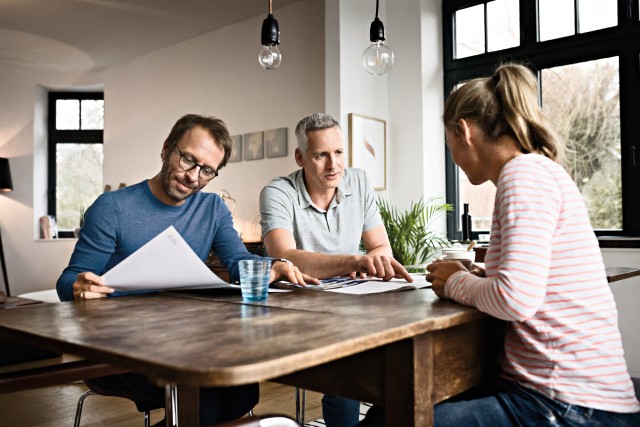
x=317, y=216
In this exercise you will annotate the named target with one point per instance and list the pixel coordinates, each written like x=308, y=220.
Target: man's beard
x=170, y=186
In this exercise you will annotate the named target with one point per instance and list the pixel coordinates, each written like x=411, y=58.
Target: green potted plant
x=412, y=240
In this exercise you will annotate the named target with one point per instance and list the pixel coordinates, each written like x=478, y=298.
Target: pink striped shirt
x=546, y=276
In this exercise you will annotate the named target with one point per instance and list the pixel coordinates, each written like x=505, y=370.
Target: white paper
x=379, y=286
x=165, y=262
x=345, y=285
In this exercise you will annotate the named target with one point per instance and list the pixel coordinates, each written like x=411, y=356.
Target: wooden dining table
x=615, y=274
x=404, y=350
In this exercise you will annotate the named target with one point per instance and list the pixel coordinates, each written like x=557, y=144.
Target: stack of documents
x=346, y=285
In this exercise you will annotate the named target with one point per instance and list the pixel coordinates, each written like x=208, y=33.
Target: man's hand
x=439, y=272
x=384, y=267
x=90, y=286
x=287, y=271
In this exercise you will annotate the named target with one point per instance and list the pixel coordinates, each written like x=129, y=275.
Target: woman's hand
x=90, y=286
x=439, y=272
x=476, y=270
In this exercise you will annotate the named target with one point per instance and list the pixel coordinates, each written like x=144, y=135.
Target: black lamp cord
x=4, y=268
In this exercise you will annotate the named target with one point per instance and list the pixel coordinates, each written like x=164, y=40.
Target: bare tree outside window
x=503, y=24
x=470, y=31
x=78, y=181
x=480, y=198
x=583, y=102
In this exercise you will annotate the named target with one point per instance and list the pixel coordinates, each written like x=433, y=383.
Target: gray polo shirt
x=285, y=203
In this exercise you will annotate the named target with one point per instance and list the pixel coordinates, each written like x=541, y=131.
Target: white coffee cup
x=462, y=255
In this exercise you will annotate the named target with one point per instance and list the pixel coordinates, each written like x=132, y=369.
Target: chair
x=301, y=404
x=145, y=407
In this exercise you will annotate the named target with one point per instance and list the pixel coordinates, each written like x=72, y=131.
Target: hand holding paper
x=165, y=262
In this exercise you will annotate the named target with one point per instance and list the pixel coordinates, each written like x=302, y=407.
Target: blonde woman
x=563, y=358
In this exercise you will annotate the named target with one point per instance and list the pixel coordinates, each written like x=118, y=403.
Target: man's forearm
x=319, y=265
x=382, y=250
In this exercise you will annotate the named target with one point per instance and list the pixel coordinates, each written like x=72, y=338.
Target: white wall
x=415, y=104
x=217, y=73
x=627, y=295
x=409, y=97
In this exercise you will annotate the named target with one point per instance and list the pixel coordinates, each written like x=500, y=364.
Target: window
x=487, y=27
x=558, y=18
x=583, y=100
x=76, y=123
x=586, y=54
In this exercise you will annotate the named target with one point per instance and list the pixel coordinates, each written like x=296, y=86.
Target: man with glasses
x=120, y=222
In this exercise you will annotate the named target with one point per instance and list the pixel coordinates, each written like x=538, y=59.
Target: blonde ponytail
x=505, y=104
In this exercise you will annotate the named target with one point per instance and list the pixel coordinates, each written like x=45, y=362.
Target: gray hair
x=310, y=123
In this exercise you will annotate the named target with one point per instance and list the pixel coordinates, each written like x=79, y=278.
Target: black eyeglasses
x=188, y=163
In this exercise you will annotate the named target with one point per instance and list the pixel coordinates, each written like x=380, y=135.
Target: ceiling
x=86, y=34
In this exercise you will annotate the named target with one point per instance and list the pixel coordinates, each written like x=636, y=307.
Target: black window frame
x=55, y=136
x=622, y=41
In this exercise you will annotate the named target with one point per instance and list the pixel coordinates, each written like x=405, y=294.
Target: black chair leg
x=80, y=405
x=147, y=412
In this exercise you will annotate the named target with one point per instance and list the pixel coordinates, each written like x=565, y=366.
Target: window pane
x=503, y=22
x=597, y=14
x=67, y=114
x=79, y=181
x=557, y=19
x=583, y=102
x=469, y=25
x=92, y=114
x=480, y=198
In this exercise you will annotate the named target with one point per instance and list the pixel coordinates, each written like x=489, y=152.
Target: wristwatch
x=282, y=260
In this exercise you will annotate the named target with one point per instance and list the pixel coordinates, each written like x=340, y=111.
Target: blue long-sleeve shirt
x=120, y=222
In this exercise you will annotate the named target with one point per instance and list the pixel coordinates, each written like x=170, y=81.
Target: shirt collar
x=304, y=199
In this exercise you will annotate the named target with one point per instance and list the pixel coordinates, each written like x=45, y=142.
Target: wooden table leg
x=409, y=382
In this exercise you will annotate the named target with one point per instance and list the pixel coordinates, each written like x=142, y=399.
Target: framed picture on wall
x=236, y=148
x=368, y=147
x=253, y=146
x=275, y=142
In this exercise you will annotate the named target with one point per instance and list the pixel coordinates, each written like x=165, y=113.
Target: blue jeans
x=514, y=405
x=339, y=411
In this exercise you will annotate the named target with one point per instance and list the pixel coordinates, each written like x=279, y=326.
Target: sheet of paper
x=165, y=262
x=345, y=285
x=378, y=286
x=419, y=280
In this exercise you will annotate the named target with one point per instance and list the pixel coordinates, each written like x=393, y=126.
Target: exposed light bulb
x=270, y=57
x=377, y=58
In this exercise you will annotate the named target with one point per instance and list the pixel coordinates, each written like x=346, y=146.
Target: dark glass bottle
x=466, y=224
